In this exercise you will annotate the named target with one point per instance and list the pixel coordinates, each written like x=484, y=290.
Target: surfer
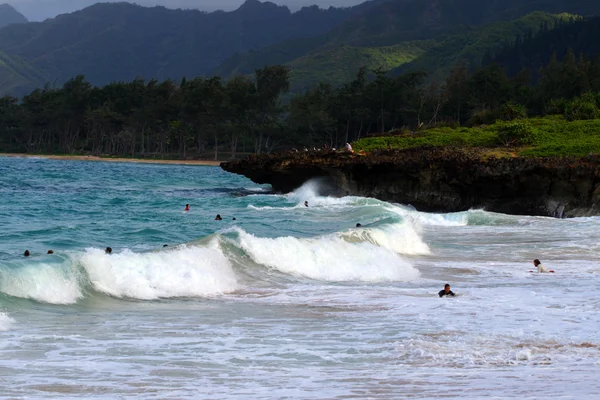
x=540, y=268
x=446, y=291
x=306, y=204
x=218, y=218
x=358, y=225
x=50, y=252
x=108, y=250
x=187, y=207
x=26, y=254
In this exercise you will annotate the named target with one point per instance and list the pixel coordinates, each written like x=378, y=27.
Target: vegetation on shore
x=551, y=136
x=247, y=114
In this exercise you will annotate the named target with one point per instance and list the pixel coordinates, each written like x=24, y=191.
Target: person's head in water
x=50, y=252
x=108, y=250
x=536, y=262
x=306, y=204
x=234, y=219
x=165, y=245
x=26, y=254
x=218, y=217
x=358, y=225
x=187, y=207
x=446, y=291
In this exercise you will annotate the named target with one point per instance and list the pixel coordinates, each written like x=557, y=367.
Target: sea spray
x=186, y=271
x=327, y=258
x=6, y=322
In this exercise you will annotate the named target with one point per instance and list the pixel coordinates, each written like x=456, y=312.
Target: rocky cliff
x=441, y=180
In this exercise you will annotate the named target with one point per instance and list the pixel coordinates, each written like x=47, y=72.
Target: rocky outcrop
x=441, y=180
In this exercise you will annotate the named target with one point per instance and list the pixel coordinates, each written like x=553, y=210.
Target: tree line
x=209, y=116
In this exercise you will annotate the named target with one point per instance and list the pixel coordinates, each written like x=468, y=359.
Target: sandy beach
x=130, y=160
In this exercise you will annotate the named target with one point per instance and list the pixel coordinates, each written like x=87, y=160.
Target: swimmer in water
x=187, y=207
x=358, y=225
x=50, y=252
x=26, y=254
x=108, y=250
x=306, y=204
x=446, y=291
x=540, y=268
x=218, y=218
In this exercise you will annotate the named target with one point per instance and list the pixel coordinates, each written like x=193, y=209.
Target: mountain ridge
x=153, y=42
x=9, y=15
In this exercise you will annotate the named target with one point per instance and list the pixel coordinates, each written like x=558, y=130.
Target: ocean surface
x=285, y=301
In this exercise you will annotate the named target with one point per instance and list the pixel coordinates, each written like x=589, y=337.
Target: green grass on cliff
x=540, y=137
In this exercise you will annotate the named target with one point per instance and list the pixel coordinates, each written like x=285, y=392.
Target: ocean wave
x=214, y=265
x=401, y=238
x=44, y=281
x=328, y=258
x=183, y=272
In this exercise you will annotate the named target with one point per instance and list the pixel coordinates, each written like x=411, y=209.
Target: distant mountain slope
x=122, y=41
x=9, y=16
x=339, y=64
x=470, y=44
x=392, y=22
x=534, y=52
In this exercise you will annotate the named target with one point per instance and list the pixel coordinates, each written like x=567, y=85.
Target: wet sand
x=115, y=159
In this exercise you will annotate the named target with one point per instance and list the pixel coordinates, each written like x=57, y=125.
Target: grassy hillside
x=340, y=64
x=548, y=136
x=18, y=76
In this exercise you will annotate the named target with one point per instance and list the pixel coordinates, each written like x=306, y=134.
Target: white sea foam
x=182, y=272
x=42, y=282
x=401, y=238
x=328, y=258
x=6, y=322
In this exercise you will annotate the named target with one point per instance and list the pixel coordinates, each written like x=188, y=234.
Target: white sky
x=38, y=10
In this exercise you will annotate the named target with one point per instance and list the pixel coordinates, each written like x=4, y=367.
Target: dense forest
x=203, y=116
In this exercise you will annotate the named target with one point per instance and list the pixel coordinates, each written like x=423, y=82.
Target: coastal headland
x=440, y=179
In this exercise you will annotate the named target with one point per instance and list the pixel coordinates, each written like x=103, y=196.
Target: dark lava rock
x=440, y=180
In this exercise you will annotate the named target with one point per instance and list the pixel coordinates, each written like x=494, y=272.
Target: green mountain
x=9, y=16
x=469, y=45
x=121, y=41
x=393, y=33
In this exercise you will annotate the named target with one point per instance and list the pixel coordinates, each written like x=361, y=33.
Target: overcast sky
x=38, y=10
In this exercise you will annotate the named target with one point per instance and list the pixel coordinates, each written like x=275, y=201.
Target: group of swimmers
x=217, y=218
x=537, y=263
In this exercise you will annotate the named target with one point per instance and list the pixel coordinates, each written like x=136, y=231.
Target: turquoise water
x=286, y=301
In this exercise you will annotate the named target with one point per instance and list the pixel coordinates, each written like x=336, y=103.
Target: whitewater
x=279, y=300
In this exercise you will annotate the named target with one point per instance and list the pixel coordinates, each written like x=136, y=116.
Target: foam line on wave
x=186, y=271
x=51, y=280
x=401, y=238
x=327, y=258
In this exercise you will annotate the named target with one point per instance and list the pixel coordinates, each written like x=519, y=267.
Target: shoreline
x=116, y=159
